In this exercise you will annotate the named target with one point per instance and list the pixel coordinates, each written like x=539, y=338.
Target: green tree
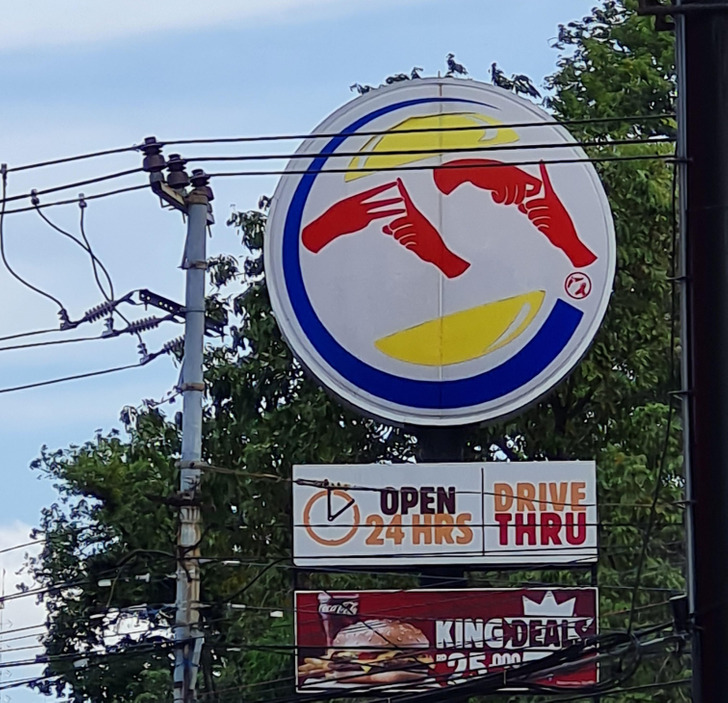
x=115, y=523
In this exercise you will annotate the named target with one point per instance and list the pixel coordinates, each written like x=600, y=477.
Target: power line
x=20, y=629
x=34, y=193
x=445, y=166
x=28, y=682
x=226, y=174
x=62, y=312
x=618, y=645
x=77, y=157
x=76, y=377
x=431, y=152
x=631, y=689
x=414, y=130
x=134, y=328
x=94, y=259
x=671, y=407
x=20, y=546
x=94, y=196
x=375, y=489
x=30, y=334
x=283, y=137
x=85, y=245
x=50, y=343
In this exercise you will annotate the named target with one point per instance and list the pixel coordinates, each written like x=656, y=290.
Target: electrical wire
x=77, y=157
x=671, y=409
x=94, y=259
x=131, y=366
x=258, y=157
x=131, y=329
x=235, y=561
x=268, y=683
x=75, y=184
x=86, y=246
x=20, y=546
x=631, y=689
x=96, y=263
x=153, y=629
x=29, y=334
x=457, y=595
x=109, y=651
x=63, y=314
x=75, y=377
x=432, y=152
x=49, y=343
x=588, y=652
x=445, y=166
x=93, y=196
x=414, y=130
x=19, y=629
x=27, y=682
x=203, y=466
x=278, y=172
x=285, y=137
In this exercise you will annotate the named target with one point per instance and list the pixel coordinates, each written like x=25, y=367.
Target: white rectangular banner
x=497, y=513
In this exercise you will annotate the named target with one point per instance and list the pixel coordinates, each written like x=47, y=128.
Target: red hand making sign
x=412, y=230
x=349, y=215
x=508, y=184
x=512, y=186
x=415, y=232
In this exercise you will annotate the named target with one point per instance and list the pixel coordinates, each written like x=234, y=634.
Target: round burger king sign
x=439, y=253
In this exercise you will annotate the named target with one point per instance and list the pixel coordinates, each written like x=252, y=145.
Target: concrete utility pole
x=195, y=204
x=188, y=639
x=702, y=43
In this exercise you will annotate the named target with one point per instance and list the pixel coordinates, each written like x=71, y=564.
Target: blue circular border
x=523, y=367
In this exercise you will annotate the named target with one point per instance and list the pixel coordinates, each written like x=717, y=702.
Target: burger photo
x=372, y=653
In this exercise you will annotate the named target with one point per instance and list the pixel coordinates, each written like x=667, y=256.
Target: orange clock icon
x=329, y=495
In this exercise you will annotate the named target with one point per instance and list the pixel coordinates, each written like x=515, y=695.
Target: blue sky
x=85, y=75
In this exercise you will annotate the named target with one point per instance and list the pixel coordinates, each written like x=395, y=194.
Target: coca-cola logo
x=348, y=607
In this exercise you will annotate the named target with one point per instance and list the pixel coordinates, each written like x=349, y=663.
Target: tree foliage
x=114, y=521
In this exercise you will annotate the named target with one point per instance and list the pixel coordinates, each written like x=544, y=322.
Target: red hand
x=347, y=216
x=550, y=217
x=509, y=185
x=415, y=232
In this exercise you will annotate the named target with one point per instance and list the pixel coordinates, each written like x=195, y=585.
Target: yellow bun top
x=453, y=132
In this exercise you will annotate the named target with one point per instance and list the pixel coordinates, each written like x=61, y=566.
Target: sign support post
x=442, y=444
x=703, y=77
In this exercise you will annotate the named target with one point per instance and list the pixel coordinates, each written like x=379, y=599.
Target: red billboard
x=428, y=639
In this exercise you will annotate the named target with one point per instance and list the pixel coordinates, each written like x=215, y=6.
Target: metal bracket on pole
x=195, y=265
x=159, y=301
x=166, y=194
x=191, y=387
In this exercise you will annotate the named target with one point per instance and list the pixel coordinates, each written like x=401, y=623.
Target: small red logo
x=578, y=285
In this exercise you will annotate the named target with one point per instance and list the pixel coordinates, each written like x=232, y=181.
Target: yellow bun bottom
x=464, y=335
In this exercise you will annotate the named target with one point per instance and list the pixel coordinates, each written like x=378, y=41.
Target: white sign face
x=439, y=253
x=498, y=513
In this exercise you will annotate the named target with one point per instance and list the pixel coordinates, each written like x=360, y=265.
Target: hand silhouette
x=415, y=232
x=347, y=216
x=550, y=217
x=508, y=185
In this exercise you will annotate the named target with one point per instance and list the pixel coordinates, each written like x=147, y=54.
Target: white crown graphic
x=548, y=607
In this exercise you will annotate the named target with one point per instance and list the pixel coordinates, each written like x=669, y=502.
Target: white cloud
x=44, y=23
